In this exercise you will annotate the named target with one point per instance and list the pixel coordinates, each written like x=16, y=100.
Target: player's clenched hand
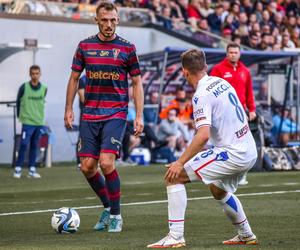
x=138, y=127
x=69, y=118
x=173, y=172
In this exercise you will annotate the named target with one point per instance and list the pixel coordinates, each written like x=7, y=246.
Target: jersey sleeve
x=133, y=63
x=202, y=111
x=250, y=100
x=78, y=64
x=82, y=82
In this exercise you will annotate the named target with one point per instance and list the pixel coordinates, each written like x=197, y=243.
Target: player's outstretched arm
x=71, y=92
x=138, y=96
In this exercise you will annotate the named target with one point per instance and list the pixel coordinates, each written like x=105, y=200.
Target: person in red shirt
x=238, y=75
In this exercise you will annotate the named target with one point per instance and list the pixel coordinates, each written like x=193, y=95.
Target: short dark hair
x=193, y=60
x=34, y=67
x=233, y=45
x=109, y=6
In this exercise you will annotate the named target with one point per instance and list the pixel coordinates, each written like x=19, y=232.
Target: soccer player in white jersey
x=220, y=117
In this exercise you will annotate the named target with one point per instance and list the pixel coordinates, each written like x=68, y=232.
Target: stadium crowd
x=262, y=25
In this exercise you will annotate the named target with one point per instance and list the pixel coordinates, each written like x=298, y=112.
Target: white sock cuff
x=175, y=188
x=226, y=198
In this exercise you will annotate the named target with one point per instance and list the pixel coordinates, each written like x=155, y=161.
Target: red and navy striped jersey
x=107, y=65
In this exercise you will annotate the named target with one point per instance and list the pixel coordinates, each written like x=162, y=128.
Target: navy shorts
x=104, y=136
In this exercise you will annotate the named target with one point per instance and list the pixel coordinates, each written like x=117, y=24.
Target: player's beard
x=110, y=33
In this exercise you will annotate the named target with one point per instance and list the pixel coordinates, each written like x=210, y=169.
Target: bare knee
x=107, y=164
x=217, y=192
x=182, y=179
x=88, y=167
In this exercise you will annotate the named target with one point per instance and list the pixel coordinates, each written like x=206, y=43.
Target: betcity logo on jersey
x=102, y=75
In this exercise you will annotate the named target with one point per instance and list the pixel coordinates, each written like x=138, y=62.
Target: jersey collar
x=202, y=80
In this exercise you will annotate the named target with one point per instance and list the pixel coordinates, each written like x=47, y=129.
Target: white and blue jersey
x=216, y=104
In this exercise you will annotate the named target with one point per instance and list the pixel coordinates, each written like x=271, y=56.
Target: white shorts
x=220, y=167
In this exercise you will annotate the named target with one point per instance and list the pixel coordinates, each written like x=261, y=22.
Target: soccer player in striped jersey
x=107, y=59
x=218, y=116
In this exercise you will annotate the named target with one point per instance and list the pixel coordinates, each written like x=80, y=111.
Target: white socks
x=235, y=212
x=177, y=201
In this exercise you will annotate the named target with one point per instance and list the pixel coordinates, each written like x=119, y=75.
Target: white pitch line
x=147, y=202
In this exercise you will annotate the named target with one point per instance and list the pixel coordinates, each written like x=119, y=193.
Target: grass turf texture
x=273, y=217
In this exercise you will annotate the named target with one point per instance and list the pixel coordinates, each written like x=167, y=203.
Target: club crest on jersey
x=116, y=52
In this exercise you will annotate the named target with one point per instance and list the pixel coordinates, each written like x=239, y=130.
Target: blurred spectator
x=151, y=114
x=227, y=35
x=183, y=5
x=243, y=30
x=173, y=130
x=258, y=8
x=176, y=12
x=201, y=36
x=148, y=139
x=278, y=20
x=287, y=43
x=291, y=23
x=266, y=29
x=235, y=9
x=182, y=105
x=266, y=20
x=272, y=9
x=155, y=6
x=205, y=9
x=230, y=23
x=214, y=19
x=165, y=18
x=295, y=37
x=253, y=41
x=288, y=130
x=193, y=11
x=237, y=39
x=247, y=7
x=252, y=20
x=292, y=7
x=277, y=36
x=226, y=10
x=265, y=43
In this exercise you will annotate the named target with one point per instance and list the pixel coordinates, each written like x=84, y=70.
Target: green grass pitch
x=271, y=202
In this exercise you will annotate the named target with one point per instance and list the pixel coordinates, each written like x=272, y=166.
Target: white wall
x=55, y=64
